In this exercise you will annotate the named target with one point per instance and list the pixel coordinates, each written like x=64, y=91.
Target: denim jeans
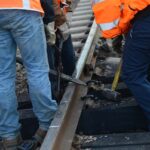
x=23, y=29
x=136, y=61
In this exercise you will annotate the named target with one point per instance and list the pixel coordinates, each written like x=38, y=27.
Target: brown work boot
x=11, y=144
x=35, y=142
x=40, y=135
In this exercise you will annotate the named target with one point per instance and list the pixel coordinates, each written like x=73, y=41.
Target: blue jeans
x=25, y=30
x=136, y=61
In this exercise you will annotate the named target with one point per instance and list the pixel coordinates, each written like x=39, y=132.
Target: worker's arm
x=49, y=11
x=53, y=13
x=60, y=20
x=49, y=21
x=60, y=17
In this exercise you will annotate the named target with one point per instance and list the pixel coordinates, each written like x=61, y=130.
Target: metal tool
x=62, y=75
x=59, y=62
x=118, y=71
x=112, y=94
x=116, y=77
x=68, y=78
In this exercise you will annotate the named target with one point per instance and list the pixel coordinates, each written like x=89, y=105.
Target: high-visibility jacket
x=34, y=5
x=114, y=16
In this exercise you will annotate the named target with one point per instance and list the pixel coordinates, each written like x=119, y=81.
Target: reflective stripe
x=26, y=4
x=33, y=5
x=108, y=26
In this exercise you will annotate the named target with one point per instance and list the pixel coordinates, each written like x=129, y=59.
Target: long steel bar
x=67, y=77
x=85, y=51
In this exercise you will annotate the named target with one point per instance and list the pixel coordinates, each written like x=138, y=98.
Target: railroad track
x=95, y=122
x=85, y=119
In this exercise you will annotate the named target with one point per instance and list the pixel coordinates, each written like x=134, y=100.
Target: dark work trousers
x=136, y=61
x=67, y=58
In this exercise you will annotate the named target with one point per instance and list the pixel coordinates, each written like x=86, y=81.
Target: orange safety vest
x=34, y=5
x=114, y=16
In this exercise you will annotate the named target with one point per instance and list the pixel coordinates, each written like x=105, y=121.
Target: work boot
x=11, y=144
x=35, y=142
x=40, y=135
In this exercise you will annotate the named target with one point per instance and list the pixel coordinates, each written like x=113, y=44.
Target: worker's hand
x=60, y=17
x=64, y=31
x=50, y=33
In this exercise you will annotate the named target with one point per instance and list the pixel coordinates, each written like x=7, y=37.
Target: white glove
x=64, y=31
x=50, y=33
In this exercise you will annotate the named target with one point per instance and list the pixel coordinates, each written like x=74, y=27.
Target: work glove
x=50, y=33
x=60, y=17
x=61, y=21
x=64, y=31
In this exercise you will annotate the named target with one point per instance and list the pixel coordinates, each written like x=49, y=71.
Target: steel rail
x=85, y=51
x=62, y=129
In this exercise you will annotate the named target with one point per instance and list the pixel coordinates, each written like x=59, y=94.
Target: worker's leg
x=30, y=38
x=136, y=61
x=9, y=118
x=51, y=61
x=51, y=56
x=68, y=56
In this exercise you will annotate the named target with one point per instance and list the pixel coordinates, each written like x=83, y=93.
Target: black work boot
x=35, y=142
x=11, y=144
